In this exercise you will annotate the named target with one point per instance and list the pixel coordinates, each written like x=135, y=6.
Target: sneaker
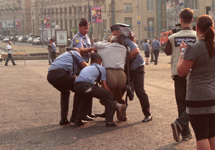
x=147, y=119
x=186, y=138
x=176, y=131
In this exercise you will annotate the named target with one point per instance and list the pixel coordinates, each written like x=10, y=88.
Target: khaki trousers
x=116, y=81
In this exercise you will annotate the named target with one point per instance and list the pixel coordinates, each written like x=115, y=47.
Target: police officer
x=85, y=87
x=136, y=72
x=181, y=125
x=61, y=75
x=82, y=41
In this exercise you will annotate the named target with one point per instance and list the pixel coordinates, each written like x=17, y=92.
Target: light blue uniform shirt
x=53, y=47
x=91, y=73
x=156, y=45
x=82, y=41
x=138, y=60
x=146, y=47
x=65, y=61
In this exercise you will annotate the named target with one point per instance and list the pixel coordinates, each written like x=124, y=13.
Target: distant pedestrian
x=146, y=50
x=199, y=61
x=53, y=49
x=9, y=54
x=156, y=48
x=152, y=55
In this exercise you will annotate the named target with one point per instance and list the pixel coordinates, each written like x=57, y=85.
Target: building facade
x=147, y=18
x=18, y=10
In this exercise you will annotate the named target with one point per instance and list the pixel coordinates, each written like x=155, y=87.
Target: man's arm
x=168, y=48
x=86, y=50
x=83, y=64
x=134, y=53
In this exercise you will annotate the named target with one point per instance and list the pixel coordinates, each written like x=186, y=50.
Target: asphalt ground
x=30, y=114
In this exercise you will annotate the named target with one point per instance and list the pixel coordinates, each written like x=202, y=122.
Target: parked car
x=36, y=41
x=6, y=39
x=29, y=40
x=20, y=39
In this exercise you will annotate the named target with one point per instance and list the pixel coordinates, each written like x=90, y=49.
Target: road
x=30, y=113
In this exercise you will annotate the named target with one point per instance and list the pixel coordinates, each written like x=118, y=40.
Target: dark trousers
x=152, y=56
x=137, y=76
x=9, y=57
x=156, y=53
x=83, y=97
x=53, y=56
x=63, y=82
x=180, y=95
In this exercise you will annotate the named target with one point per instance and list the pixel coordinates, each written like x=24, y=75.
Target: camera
x=177, y=28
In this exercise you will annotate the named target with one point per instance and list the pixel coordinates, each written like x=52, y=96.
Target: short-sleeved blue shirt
x=156, y=45
x=82, y=41
x=91, y=74
x=146, y=47
x=138, y=60
x=65, y=61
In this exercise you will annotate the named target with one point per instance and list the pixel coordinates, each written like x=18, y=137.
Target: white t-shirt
x=9, y=47
x=113, y=54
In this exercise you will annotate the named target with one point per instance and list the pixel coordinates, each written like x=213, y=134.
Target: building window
x=150, y=5
x=128, y=20
x=66, y=24
x=150, y=28
x=65, y=10
x=61, y=24
x=128, y=7
x=192, y=4
x=70, y=10
x=56, y=10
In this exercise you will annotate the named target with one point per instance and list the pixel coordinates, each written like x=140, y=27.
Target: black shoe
x=79, y=122
x=147, y=119
x=72, y=119
x=101, y=115
x=124, y=119
x=64, y=122
x=176, y=131
x=110, y=124
x=6, y=65
x=186, y=138
x=88, y=118
x=92, y=115
x=15, y=64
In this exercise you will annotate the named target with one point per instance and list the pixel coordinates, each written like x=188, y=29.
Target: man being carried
x=113, y=59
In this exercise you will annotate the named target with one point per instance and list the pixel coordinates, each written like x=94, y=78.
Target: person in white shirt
x=113, y=59
x=9, y=54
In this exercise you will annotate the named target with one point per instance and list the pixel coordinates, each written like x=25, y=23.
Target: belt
x=114, y=69
x=58, y=69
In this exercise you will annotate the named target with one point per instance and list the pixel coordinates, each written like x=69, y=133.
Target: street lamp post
x=14, y=24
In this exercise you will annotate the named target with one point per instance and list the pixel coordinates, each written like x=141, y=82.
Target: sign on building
x=96, y=13
x=17, y=24
x=7, y=23
x=46, y=22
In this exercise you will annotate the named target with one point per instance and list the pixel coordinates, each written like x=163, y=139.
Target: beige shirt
x=189, y=37
x=113, y=54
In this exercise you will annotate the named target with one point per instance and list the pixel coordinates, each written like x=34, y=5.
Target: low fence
x=39, y=56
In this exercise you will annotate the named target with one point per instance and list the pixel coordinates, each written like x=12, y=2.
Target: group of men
x=71, y=72
x=154, y=48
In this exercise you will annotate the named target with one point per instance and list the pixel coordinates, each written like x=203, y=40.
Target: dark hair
x=83, y=22
x=205, y=26
x=186, y=15
x=52, y=40
x=146, y=40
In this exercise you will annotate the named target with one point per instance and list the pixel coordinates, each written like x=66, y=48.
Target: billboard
x=17, y=24
x=46, y=22
x=7, y=24
x=61, y=38
x=96, y=13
